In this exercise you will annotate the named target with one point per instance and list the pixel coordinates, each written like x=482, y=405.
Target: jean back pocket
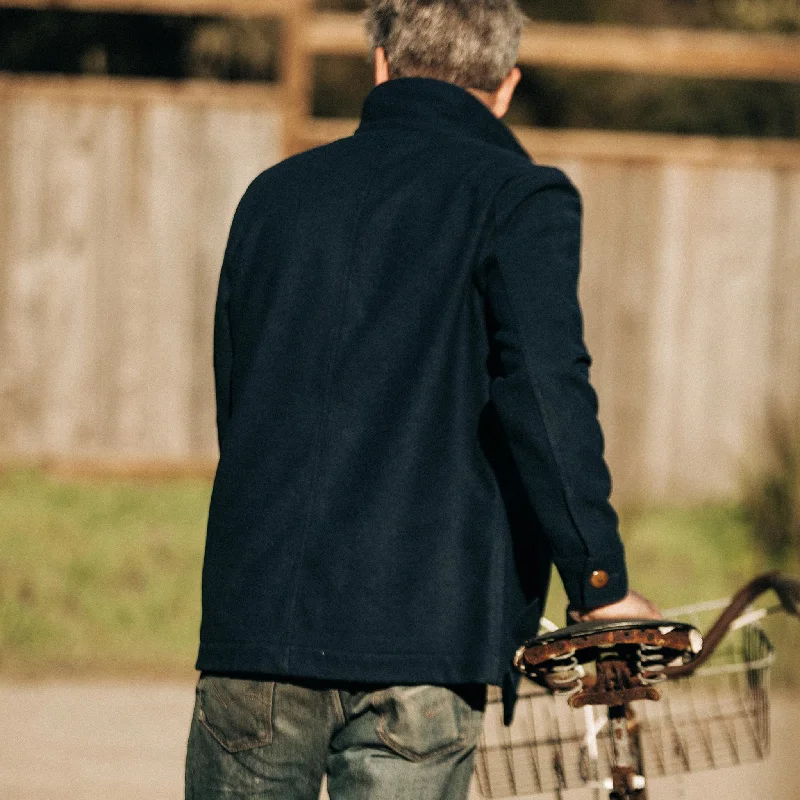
x=420, y=722
x=237, y=712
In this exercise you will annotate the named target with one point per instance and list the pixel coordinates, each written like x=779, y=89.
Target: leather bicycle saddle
x=629, y=657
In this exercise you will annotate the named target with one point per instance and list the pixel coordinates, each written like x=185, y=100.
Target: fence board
x=728, y=247
x=71, y=402
x=26, y=304
x=710, y=360
x=117, y=217
x=7, y=373
x=665, y=345
x=784, y=283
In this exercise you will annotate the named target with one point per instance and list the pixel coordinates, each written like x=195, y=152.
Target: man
x=407, y=434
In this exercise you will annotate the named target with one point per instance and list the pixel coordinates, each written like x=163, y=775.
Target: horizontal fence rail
x=221, y=8
x=617, y=146
x=613, y=48
x=76, y=89
x=618, y=48
x=663, y=51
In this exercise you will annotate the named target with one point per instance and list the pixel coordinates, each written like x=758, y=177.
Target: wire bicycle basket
x=714, y=716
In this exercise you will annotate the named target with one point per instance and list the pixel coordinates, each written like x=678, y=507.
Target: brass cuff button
x=599, y=579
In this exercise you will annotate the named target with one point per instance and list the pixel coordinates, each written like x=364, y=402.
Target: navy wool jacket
x=408, y=437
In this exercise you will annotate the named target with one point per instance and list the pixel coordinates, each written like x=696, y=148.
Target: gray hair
x=472, y=43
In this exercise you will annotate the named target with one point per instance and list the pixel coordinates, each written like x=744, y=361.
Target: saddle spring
x=566, y=674
x=650, y=663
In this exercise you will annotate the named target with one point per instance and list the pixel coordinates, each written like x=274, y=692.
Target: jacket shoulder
x=530, y=180
x=297, y=170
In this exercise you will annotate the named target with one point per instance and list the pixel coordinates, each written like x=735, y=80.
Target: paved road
x=113, y=741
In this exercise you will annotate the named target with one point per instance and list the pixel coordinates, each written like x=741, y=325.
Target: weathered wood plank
x=661, y=451
x=656, y=148
x=245, y=8
x=72, y=89
x=659, y=51
x=620, y=234
x=115, y=222
x=6, y=370
x=48, y=254
x=547, y=145
x=246, y=144
x=297, y=74
x=27, y=275
x=629, y=293
x=600, y=271
x=734, y=301
x=71, y=399
x=662, y=51
x=715, y=379
x=337, y=34
x=784, y=282
x=174, y=186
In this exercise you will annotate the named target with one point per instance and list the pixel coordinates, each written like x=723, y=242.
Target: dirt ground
x=96, y=741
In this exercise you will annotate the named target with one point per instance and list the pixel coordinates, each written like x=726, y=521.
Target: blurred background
x=128, y=131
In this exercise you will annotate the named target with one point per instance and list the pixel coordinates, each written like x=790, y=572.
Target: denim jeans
x=268, y=740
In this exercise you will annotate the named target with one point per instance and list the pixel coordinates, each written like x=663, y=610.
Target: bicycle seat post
x=627, y=782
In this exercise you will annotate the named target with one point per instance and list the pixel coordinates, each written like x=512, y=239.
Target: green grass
x=99, y=577
x=103, y=578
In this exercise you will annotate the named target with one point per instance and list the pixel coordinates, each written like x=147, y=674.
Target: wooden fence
x=115, y=196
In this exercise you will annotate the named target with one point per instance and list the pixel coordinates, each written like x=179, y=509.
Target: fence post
x=297, y=66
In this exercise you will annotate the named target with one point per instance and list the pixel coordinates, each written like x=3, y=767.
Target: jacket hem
x=321, y=664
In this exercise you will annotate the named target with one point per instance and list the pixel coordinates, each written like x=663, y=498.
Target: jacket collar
x=429, y=103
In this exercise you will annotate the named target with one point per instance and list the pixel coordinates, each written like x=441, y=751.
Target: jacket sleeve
x=540, y=386
x=223, y=354
x=223, y=339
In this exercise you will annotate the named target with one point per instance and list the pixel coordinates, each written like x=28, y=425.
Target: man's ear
x=381, y=66
x=502, y=97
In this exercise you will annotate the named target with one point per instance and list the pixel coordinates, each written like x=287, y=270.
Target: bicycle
x=671, y=700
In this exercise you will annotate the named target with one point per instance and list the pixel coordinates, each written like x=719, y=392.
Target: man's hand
x=632, y=606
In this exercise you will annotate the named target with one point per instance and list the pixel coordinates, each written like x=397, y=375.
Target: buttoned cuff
x=594, y=581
